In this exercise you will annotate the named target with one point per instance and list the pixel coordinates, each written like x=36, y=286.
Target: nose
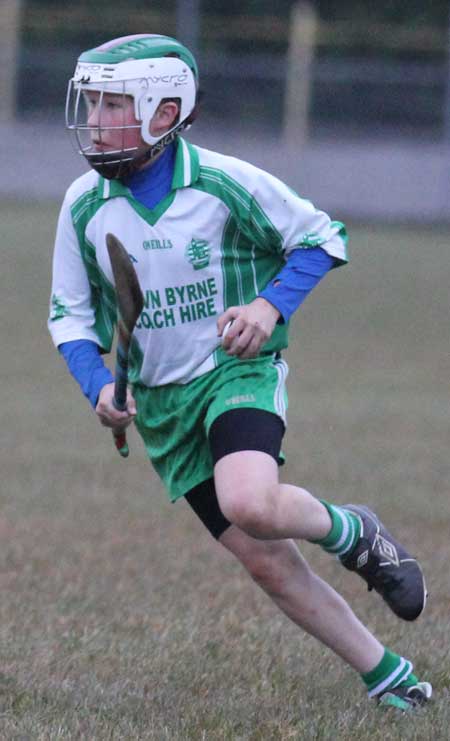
x=93, y=116
x=93, y=121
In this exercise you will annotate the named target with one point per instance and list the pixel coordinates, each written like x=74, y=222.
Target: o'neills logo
x=157, y=244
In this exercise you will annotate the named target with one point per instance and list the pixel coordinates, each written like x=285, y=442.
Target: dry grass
x=122, y=619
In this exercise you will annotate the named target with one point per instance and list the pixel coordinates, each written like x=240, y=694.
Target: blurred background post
x=447, y=90
x=188, y=23
x=10, y=23
x=302, y=40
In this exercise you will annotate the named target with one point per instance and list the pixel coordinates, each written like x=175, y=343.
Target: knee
x=251, y=511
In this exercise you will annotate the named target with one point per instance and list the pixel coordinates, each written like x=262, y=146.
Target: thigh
x=247, y=486
x=234, y=432
x=245, y=448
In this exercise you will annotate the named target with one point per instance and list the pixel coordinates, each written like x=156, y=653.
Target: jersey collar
x=187, y=167
x=186, y=171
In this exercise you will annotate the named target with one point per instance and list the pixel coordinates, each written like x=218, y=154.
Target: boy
x=224, y=253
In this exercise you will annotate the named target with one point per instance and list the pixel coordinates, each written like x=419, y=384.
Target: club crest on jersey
x=312, y=239
x=59, y=309
x=198, y=253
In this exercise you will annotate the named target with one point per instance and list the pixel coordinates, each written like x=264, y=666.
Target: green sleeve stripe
x=255, y=280
x=103, y=299
x=230, y=274
x=237, y=267
x=82, y=203
x=103, y=296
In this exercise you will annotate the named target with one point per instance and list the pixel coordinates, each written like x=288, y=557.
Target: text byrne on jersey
x=178, y=304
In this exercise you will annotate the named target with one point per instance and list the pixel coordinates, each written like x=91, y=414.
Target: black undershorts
x=233, y=431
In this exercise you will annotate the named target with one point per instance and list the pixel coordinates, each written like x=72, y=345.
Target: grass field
x=122, y=619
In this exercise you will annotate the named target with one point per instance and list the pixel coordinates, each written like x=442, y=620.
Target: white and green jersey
x=223, y=232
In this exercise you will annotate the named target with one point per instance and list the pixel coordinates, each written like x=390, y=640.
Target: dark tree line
x=411, y=13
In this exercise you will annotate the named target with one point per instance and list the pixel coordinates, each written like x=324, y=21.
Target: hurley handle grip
x=120, y=441
x=120, y=400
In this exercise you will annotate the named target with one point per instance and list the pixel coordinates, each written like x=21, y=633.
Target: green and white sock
x=344, y=533
x=392, y=671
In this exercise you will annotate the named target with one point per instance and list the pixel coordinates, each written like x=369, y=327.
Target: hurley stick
x=129, y=304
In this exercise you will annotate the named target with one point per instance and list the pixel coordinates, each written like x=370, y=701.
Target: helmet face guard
x=142, y=84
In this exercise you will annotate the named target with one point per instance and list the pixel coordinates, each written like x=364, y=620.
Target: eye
x=113, y=105
x=91, y=102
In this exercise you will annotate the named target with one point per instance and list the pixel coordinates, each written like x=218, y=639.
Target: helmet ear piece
x=146, y=108
x=149, y=114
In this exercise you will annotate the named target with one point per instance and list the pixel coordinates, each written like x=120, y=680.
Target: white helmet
x=150, y=69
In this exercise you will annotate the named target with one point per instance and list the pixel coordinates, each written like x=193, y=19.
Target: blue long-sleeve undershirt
x=286, y=291
x=302, y=272
x=86, y=365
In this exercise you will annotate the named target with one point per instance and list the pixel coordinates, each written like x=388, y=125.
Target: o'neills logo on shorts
x=242, y=399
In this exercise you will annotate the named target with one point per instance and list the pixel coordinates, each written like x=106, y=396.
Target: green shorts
x=174, y=420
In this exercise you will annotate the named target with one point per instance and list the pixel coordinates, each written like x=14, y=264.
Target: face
x=114, y=126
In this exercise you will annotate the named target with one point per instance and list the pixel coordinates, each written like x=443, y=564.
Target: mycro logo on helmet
x=169, y=79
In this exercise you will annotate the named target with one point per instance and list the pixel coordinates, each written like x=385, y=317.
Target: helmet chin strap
x=117, y=166
x=112, y=167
